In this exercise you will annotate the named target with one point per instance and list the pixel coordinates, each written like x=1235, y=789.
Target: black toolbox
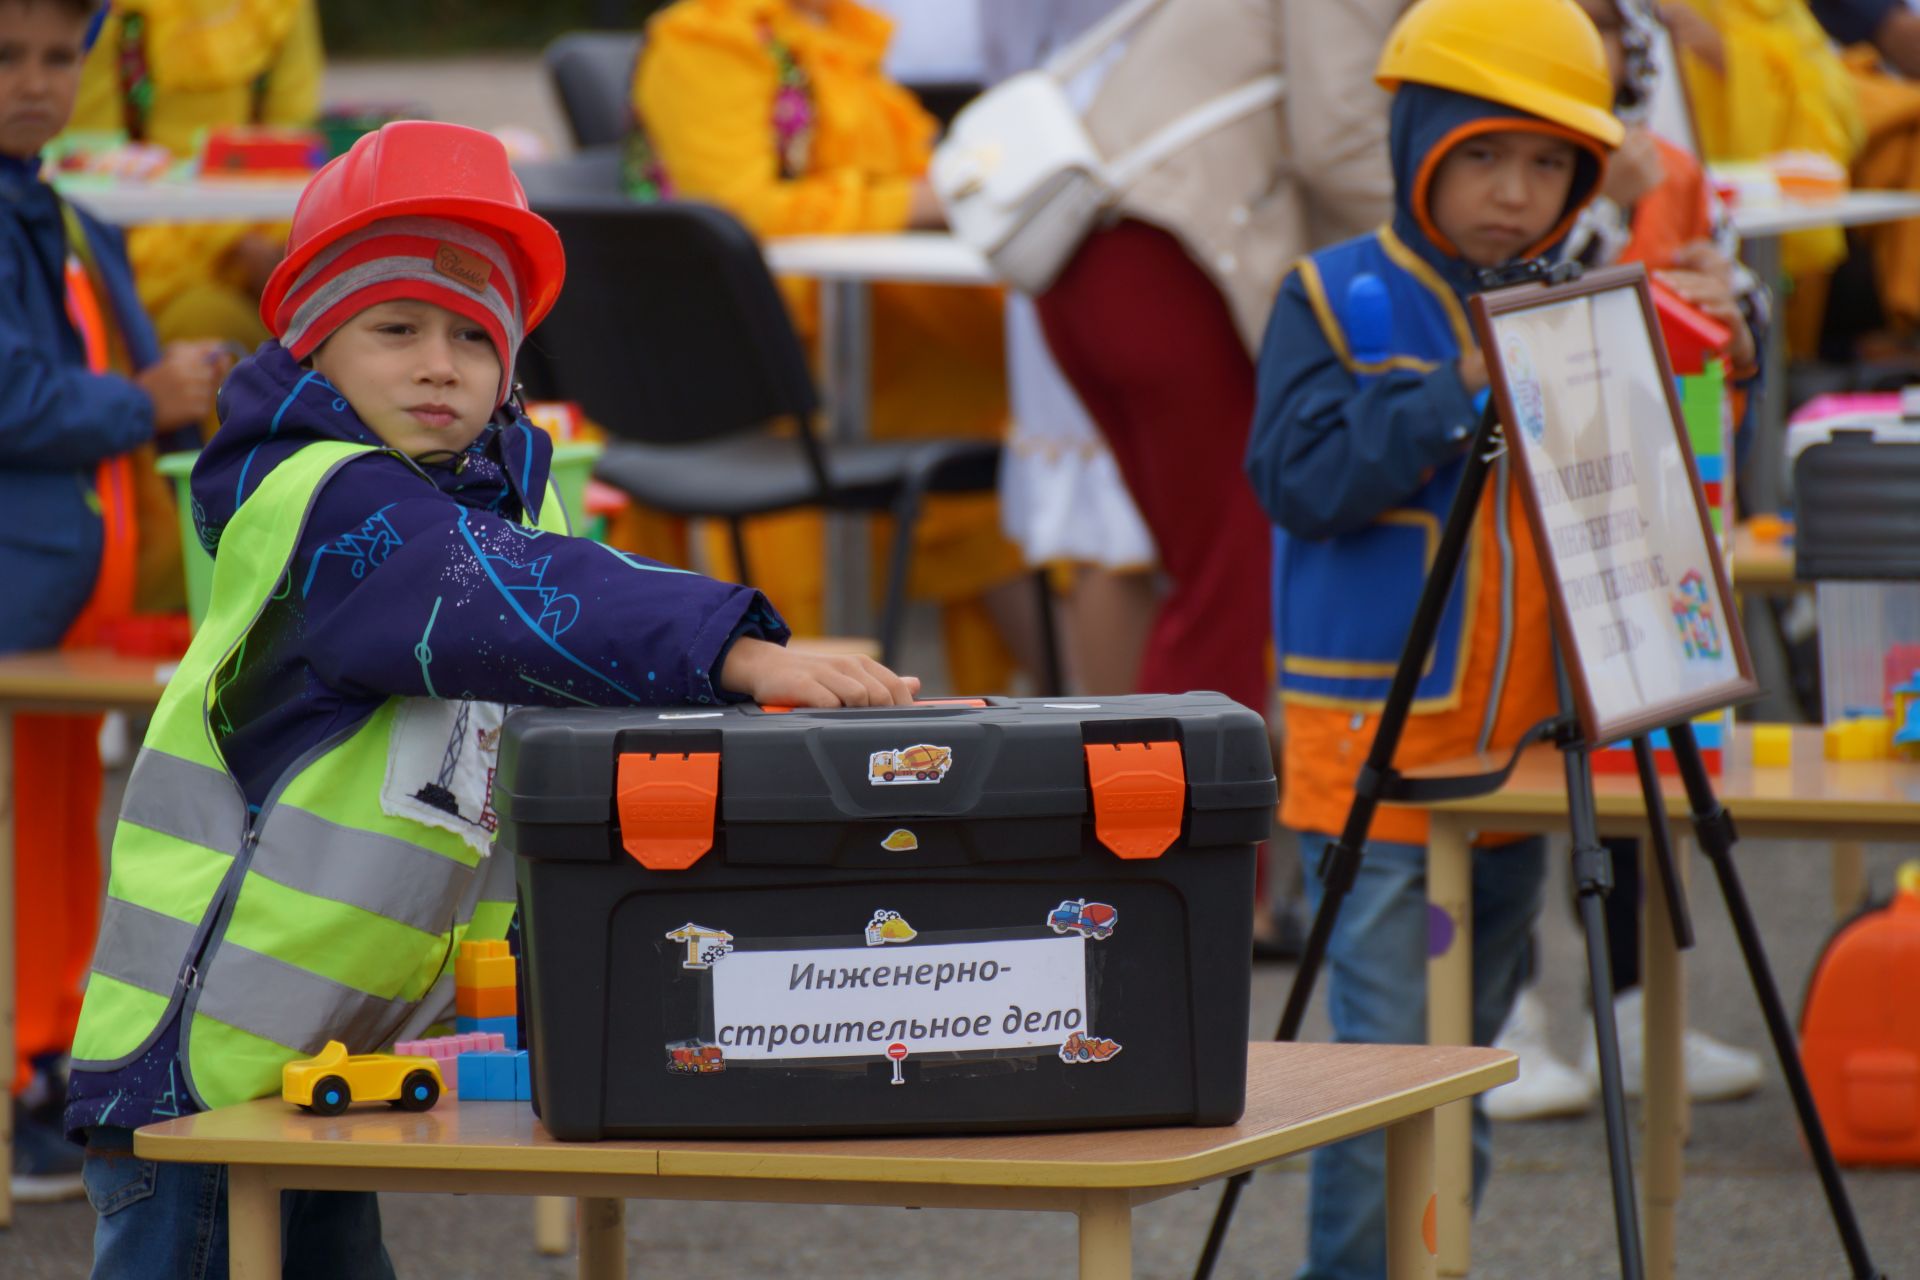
x=988, y=914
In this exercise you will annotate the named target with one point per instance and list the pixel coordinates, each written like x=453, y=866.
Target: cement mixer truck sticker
x=1088, y=919
x=909, y=766
x=889, y=926
x=704, y=945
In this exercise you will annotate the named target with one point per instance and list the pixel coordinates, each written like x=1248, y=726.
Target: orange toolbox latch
x=1139, y=794
x=666, y=804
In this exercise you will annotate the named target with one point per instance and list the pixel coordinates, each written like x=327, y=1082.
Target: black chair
x=672, y=335
x=592, y=72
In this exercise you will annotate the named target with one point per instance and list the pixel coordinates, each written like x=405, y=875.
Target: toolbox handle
x=947, y=705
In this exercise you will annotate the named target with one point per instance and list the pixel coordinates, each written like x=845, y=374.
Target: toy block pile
x=1709, y=733
x=484, y=1062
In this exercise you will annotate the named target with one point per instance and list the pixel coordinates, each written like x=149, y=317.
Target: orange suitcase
x=1860, y=1032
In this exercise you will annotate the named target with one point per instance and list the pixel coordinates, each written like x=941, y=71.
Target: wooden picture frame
x=1642, y=605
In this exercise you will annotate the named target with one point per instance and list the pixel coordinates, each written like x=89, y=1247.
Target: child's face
x=40, y=59
x=421, y=376
x=1496, y=195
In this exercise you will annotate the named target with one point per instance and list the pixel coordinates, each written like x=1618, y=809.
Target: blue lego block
x=495, y=1077
x=508, y=1027
x=473, y=1077
x=1713, y=467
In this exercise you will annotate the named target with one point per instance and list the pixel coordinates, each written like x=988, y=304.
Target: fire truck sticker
x=909, y=766
x=889, y=926
x=695, y=1058
x=704, y=945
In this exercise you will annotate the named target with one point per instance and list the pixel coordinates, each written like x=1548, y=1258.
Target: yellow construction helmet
x=1543, y=57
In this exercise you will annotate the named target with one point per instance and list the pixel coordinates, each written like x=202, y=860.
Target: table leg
x=1765, y=469
x=1663, y=1079
x=1848, y=868
x=1412, y=1202
x=603, y=1239
x=1106, y=1236
x=1450, y=1021
x=253, y=1224
x=846, y=362
x=6, y=957
x=552, y=1225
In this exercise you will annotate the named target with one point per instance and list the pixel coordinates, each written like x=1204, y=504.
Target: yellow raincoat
x=207, y=63
x=792, y=126
x=1784, y=88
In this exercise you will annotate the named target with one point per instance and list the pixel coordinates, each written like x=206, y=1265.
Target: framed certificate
x=1645, y=617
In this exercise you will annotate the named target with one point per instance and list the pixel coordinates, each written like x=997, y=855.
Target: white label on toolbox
x=850, y=1002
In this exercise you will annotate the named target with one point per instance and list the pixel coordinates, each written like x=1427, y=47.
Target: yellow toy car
x=327, y=1083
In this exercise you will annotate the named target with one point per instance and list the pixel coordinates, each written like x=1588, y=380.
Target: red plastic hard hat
x=427, y=169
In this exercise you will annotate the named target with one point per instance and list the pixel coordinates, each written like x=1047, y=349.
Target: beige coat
x=1251, y=197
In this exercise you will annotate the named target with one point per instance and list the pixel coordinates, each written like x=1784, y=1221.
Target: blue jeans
x=169, y=1221
x=1377, y=994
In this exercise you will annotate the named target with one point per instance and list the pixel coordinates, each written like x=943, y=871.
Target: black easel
x=1592, y=869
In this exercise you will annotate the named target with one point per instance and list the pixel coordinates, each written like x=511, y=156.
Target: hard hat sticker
x=889, y=926
x=909, y=766
x=900, y=840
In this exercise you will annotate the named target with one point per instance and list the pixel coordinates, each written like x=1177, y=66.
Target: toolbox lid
x=668, y=781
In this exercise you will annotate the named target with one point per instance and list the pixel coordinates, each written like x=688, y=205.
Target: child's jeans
x=1377, y=994
x=169, y=1221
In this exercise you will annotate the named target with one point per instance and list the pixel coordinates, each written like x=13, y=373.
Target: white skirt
x=1061, y=493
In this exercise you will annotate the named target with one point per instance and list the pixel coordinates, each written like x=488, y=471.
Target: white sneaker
x=1715, y=1071
x=1547, y=1086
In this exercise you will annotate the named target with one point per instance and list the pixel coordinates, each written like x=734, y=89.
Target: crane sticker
x=909, y=766
x=704, y=945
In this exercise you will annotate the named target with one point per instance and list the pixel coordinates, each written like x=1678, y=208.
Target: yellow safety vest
x=320, y=918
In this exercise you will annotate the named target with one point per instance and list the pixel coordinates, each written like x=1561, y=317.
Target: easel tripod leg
x=1714, y=827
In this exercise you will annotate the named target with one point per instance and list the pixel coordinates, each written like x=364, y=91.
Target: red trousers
x=1150, y=346
x=56, y=879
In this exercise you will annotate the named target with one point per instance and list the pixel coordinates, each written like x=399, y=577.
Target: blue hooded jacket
x=58, y=420
x=417, y=581
x=1358, y=438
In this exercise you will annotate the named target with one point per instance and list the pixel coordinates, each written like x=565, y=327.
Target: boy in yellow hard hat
x=1500, y=129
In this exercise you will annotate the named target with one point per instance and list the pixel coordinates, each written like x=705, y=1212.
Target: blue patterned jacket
x=401, y=588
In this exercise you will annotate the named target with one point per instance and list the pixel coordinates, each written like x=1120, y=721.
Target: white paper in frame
x=1640, y=596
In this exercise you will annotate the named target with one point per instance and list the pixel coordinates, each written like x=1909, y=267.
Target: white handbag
x=1022, y=181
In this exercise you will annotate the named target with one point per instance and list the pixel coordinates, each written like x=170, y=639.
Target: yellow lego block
x=1772, y=746
x=484, y=971
x=1861, y=738
x=492, y=947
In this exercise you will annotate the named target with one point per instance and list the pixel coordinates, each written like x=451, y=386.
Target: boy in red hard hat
x=306, y=832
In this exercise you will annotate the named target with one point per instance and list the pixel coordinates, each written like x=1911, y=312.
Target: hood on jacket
x=1426, y=122
x=271, y=406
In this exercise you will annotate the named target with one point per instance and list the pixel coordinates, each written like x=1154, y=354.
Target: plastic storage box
x=985, y=915
x=1858, y=536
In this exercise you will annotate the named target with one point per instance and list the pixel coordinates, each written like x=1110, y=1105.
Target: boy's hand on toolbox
x=773, y=675
x=182, y=382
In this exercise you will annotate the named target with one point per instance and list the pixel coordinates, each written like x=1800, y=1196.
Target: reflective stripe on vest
x=297, y=928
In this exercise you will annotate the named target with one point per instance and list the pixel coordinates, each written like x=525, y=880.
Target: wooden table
x=1812, y=799
x=1298, y=1096
x=83, y=682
